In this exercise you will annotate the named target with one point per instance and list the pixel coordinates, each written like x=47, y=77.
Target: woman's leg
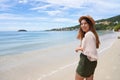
x=78, y=77
x=90, y=78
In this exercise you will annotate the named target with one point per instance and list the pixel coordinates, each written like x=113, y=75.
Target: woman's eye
x=83, y=23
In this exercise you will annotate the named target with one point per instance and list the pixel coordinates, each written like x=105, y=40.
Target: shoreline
x=26, y=49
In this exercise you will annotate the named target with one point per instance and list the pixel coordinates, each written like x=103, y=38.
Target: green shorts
x=86, y=67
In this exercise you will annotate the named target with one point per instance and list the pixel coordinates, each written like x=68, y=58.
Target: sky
x=36, y=15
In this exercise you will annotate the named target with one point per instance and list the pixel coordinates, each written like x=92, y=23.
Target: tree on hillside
x=117, y=27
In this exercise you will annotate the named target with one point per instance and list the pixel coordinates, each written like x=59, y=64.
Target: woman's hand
x=79, y=48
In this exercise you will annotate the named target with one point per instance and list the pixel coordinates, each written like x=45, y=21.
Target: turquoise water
x=12, y=42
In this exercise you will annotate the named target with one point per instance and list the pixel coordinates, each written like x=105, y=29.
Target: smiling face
x=84, y=25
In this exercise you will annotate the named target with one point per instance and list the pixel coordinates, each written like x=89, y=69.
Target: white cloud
x=99, y=9
x=64, y=20
x=58, y=7
x=55, y=10
x=53, y=13
x=7, y=16
x=91, y=7
x=105, y=8
x=23, y=1
x=4, y=1
x=12, y=17
x=67, y=3
x=105, y=4
x=6, y=5
x=40, y=7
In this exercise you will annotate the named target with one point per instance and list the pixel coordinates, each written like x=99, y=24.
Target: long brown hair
x=81, y=33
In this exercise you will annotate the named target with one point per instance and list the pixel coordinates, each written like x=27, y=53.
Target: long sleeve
x=89, y=46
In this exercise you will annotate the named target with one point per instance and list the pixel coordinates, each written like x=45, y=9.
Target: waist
x=87, y=57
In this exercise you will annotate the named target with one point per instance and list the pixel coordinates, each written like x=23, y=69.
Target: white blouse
x=89, y=46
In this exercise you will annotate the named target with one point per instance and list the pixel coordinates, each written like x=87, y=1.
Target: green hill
x=102, y=24
x=107, y=24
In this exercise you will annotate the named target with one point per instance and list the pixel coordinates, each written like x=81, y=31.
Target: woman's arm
x=79, y=49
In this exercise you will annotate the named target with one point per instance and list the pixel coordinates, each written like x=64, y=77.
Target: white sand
x=38, y=65
x=109, y=64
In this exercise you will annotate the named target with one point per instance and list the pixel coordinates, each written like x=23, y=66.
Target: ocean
x=13, y=42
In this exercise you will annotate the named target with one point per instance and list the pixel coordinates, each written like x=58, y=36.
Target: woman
x=89, y=44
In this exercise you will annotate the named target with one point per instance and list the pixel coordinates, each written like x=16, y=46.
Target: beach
x=36, y=65
x=58, y=63
x=108, y=65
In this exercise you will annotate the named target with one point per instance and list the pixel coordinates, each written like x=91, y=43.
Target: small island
x=22, y=30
